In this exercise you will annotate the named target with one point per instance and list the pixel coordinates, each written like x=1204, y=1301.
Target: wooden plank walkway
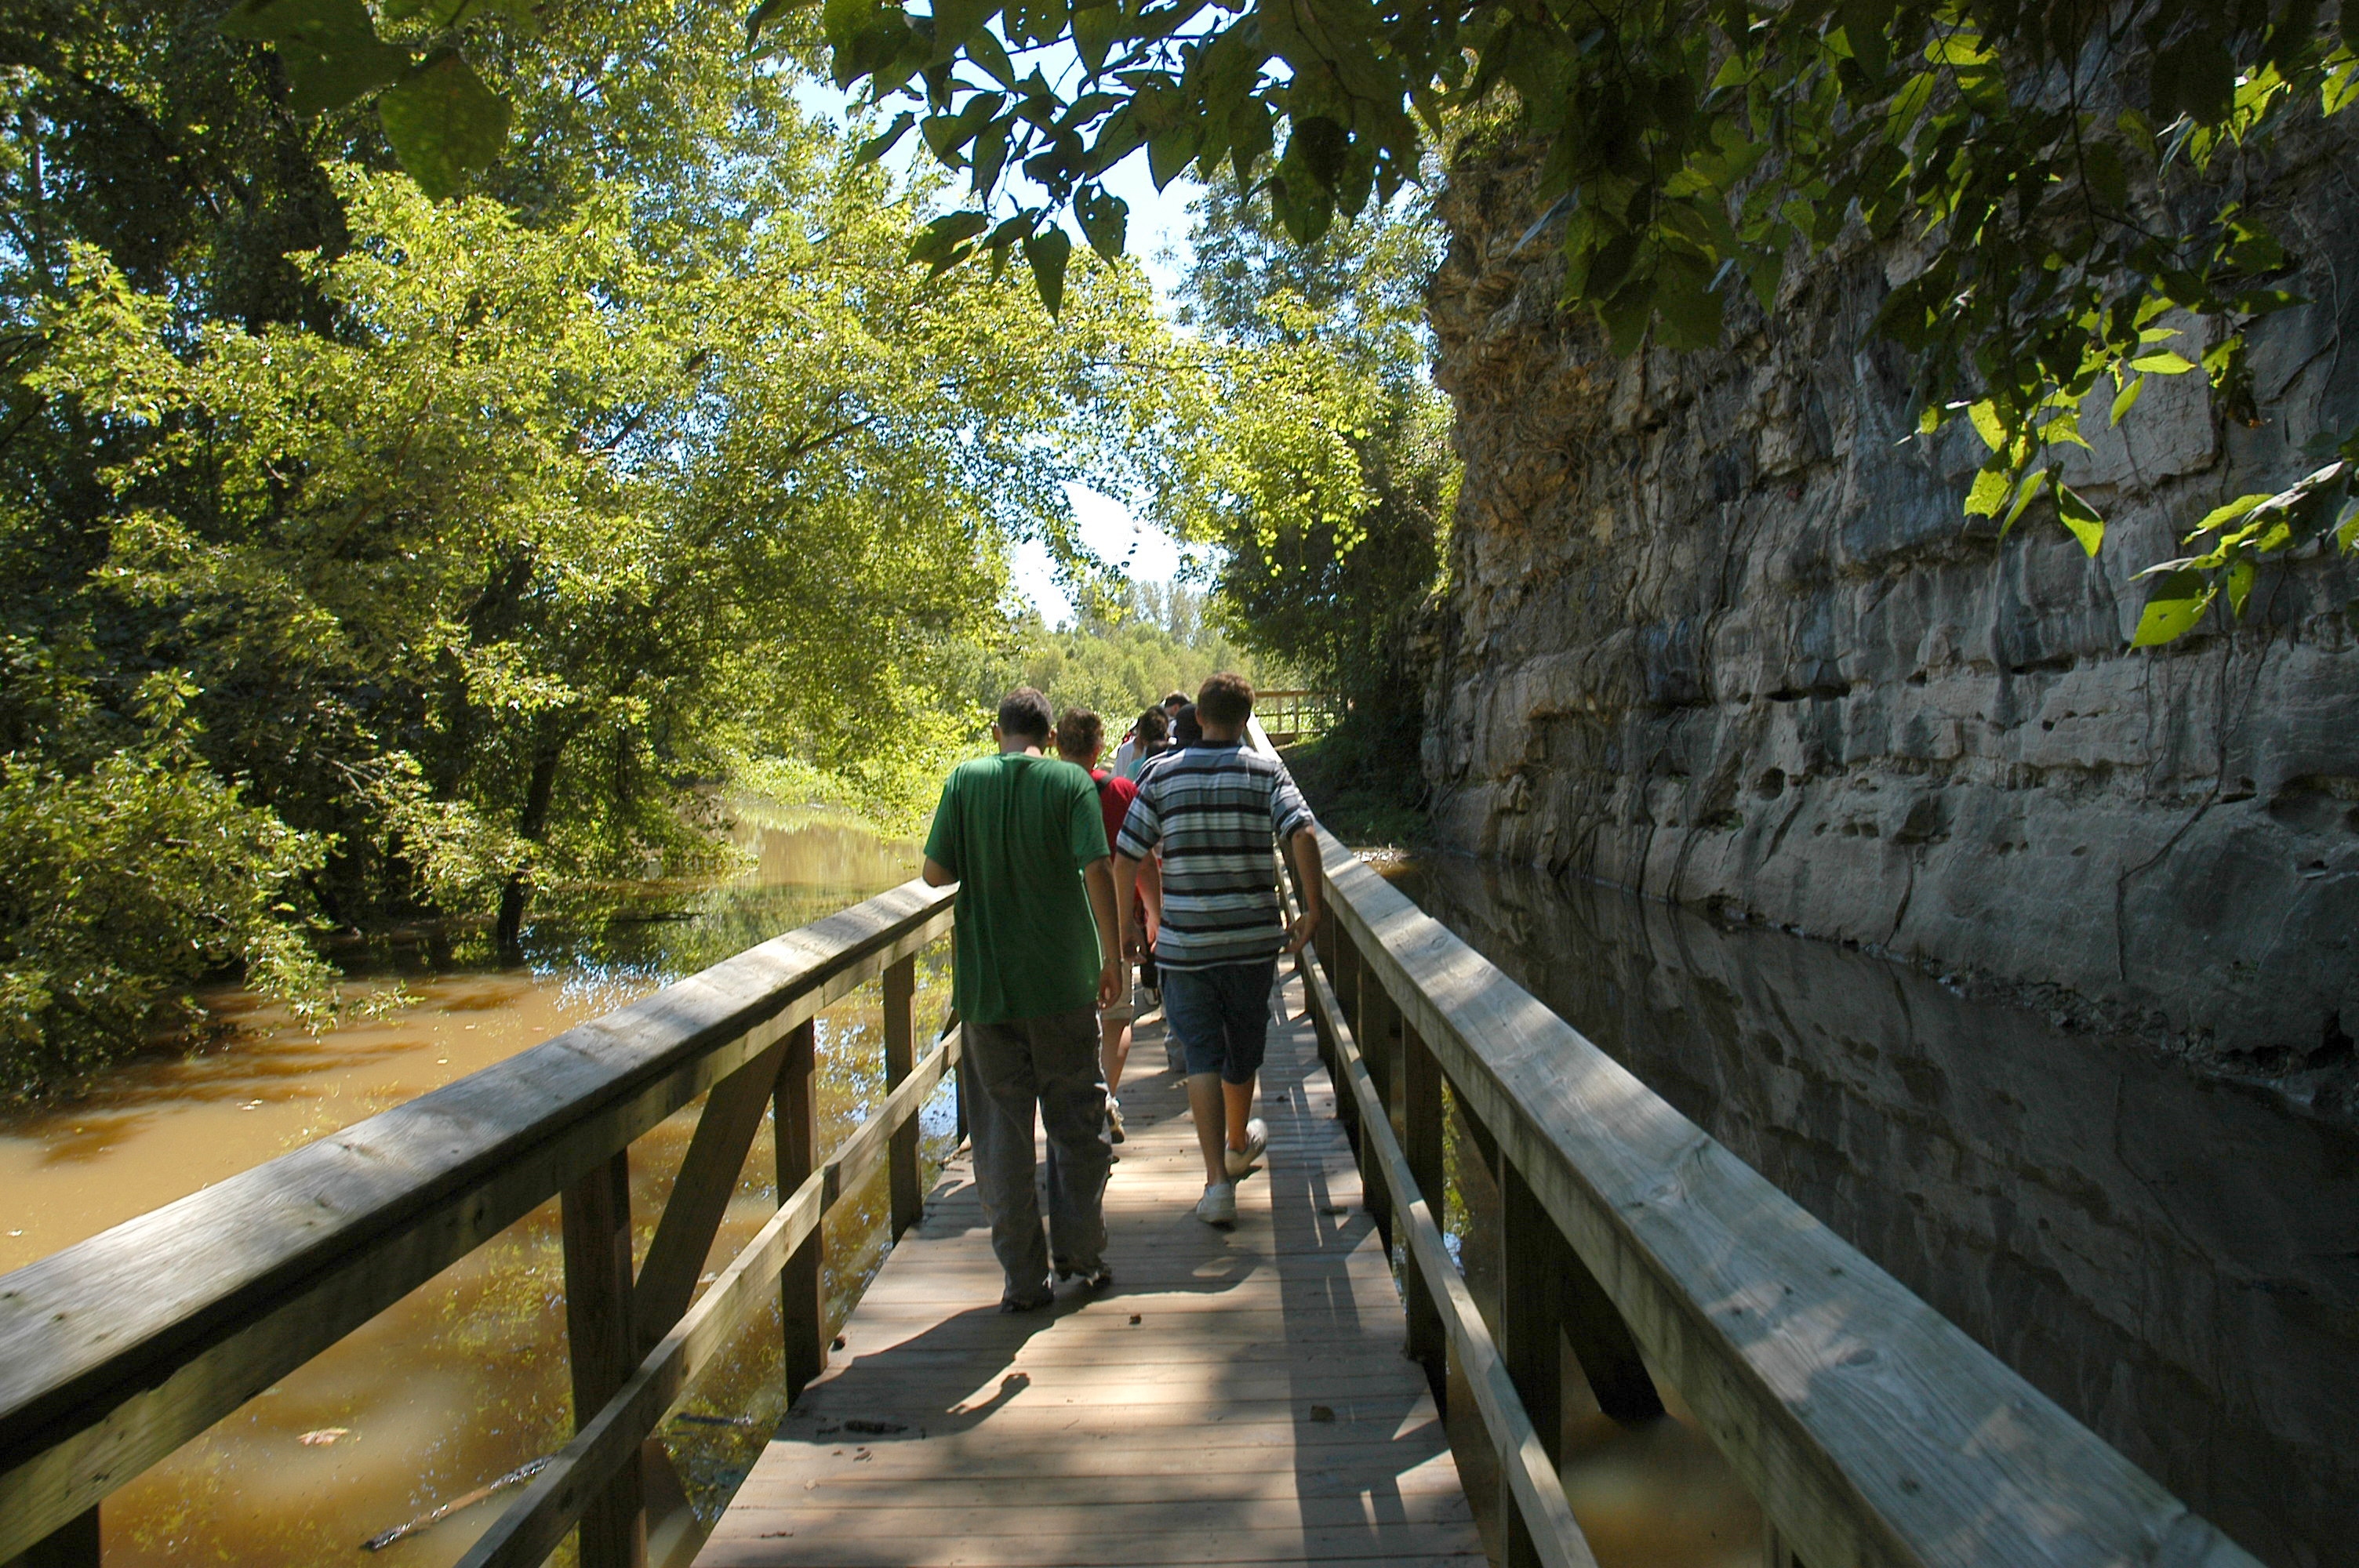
x=1237, y=1398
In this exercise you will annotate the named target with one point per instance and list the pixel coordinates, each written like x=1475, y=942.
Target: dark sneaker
x=1092, y=1280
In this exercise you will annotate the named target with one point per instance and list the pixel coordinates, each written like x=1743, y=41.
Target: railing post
x=1531, y=1302
x=1339, y=984
x=595, y=1217
x=1421, y=1142
x=900, y=1056
x=72, y=1545
x=802, y=1290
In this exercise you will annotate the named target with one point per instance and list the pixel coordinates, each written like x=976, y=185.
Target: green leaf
x=2346, y=527
x=2173, y=606
x=2033, y=484
x=1104, y=219
x=329, y=49
x=2240, y=585
x=444, y=124
x=942, y=243
x=984, y=48
x=2164, y=363
x=956, y=21
x=2221, y=516
x=1988, y=495
x=2127, y=398
x=2080, y=518
x=1047, y=252
x=877, y=147
x=1986, y=423
x=1322, y=145
x=1096, y=29
x=1170, y=152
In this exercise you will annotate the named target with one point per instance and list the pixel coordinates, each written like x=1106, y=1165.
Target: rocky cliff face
x=1716, y=631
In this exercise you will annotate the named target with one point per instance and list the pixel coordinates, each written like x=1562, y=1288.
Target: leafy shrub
x=129, y=881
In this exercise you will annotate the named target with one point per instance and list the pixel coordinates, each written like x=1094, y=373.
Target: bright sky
x=1159, y=238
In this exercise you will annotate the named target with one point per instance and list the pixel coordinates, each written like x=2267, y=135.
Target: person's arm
x=1098, y=877
x=1150, y=894
x=1125, y=882
x=1303, y=847
x=937, y=875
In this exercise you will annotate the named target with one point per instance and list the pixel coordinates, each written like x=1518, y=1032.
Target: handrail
x=117, y=1350
x=1872, y=1428
x=1529, y=1468
x=537, y=1522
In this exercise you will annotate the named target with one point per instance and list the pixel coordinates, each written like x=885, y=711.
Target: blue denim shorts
x=1221, y=1016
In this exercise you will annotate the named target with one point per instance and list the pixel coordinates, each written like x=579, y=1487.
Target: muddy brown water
x=465, y=1379
x=2172, y=1259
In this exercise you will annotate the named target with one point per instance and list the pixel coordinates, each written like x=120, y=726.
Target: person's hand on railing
x=1298, y=932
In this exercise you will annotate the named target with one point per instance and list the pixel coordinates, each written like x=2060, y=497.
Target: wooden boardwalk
x=1237, y=1398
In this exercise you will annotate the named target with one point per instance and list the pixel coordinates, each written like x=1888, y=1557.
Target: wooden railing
x=115, y=1351
x=1872, y=1428
x=1288, y=716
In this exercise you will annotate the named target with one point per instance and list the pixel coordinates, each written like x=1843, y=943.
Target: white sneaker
x=1240, y=1161
x=1219, y=1204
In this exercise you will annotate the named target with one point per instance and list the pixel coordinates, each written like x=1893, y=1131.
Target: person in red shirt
x=1080, y=738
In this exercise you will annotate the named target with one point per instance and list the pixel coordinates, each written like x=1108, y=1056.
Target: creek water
x=465, y=1379
x=2172, y=1259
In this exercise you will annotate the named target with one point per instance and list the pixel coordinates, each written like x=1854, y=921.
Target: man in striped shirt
x=1217, y=811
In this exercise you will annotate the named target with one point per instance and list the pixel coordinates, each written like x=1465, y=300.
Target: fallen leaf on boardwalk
x=874, y=1428
x=324, y=1436
x=1321, y=1412
x=1134, y=1317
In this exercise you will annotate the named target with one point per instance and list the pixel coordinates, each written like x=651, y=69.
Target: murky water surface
x=2173, y=1260
x=466, y=1379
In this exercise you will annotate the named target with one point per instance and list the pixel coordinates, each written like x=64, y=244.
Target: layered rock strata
x=1715, y=632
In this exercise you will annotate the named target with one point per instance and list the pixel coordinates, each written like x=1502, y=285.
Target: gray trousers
x=1052, y=1063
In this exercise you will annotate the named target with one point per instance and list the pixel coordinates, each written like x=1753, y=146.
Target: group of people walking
x=1069, y=875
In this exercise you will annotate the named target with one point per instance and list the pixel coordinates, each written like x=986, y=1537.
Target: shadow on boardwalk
x=1237, y=1396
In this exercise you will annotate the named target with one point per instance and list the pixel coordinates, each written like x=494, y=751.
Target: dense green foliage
x=2066, y=175
x=1137, y=644
x=1318, y=456
x=372, y=556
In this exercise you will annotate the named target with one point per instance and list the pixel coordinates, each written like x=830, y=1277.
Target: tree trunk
x=532, y=826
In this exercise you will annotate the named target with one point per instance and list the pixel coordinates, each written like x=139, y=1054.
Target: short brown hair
x=1081, y=735
x=1224, y=699
x=1024, y=712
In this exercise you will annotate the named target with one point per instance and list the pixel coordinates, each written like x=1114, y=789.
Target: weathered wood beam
x=802, y=1285
x=708, y=1178
x=533, y=1527
x=901, y=988
x=596, y=1224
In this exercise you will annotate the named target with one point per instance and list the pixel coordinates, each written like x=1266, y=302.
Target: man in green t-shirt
x=1036, y=956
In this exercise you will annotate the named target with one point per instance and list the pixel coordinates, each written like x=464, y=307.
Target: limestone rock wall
x=1715, y=631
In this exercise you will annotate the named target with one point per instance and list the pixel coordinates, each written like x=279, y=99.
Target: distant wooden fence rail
x=1871, y=1428
x=1288, y=716
x=117, y=1350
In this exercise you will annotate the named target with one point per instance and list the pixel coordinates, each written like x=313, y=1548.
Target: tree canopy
x=2071, y=173
x=374, y=556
